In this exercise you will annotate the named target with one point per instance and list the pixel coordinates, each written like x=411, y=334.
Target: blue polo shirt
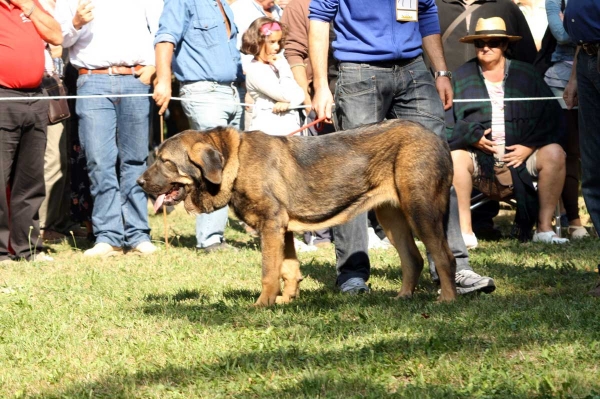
x=202, y=49
x=367, y=31
x=582, y=21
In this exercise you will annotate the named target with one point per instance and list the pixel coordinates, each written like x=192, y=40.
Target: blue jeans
x=114, y=132
x=218, y=106
x=368, y=93
x=588, y=90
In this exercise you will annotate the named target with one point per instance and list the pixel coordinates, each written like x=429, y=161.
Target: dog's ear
x=209, y=160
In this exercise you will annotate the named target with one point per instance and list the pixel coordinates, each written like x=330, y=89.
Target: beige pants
x=54, y=212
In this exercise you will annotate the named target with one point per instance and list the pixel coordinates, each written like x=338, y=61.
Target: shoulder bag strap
x=458, y=20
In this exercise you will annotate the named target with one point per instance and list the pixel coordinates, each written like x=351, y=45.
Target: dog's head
x=191, y=166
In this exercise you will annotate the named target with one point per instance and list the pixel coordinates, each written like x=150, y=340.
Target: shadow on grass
x=341, y=373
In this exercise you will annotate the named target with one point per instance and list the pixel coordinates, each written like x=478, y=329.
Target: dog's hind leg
x=398, y=231
x=290, y=271
x=428, y=223
x=271, y=239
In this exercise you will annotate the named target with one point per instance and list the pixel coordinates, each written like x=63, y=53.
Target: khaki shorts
x=530, y=164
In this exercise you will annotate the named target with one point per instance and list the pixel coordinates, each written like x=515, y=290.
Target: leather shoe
x=144, y=248
x=103, y=250
x=218, y=247
x=52, y=236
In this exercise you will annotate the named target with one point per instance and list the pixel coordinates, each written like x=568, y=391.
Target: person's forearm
x=164, y=57
x=318, y=46
x=299, y=72
x=47, y=27
x=432, y=45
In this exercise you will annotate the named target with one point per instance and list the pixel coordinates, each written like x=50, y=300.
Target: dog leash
x=315, y=122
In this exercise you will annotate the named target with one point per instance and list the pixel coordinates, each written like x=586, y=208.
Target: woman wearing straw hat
x=524, y=135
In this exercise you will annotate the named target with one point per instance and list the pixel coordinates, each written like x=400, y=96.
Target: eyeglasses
x=491, y=43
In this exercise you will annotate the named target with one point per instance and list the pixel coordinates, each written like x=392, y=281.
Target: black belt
x=591, y=48
x=34, y=90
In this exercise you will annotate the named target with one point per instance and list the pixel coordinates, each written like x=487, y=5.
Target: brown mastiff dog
x=279, y=185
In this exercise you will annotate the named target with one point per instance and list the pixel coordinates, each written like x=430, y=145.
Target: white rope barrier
x=203, y=100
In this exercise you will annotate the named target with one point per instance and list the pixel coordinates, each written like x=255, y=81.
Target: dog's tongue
x=158, y=203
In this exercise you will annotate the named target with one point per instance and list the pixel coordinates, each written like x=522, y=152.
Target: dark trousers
x=22, y=145
x=588, y=89
x=367, y=93
x=570, y=193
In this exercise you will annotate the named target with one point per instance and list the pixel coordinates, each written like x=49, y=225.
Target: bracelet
x=27, y=15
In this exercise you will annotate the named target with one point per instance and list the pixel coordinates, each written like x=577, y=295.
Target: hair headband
x=269, y=28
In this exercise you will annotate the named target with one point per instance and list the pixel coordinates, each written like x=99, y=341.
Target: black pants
x=22, y=145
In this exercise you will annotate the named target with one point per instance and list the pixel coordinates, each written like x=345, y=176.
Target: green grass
x=181, y=325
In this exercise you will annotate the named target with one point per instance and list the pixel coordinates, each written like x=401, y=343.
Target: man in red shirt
x=24, y=29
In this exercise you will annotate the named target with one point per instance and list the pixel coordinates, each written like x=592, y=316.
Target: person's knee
x=462, y=162
x=551, y=156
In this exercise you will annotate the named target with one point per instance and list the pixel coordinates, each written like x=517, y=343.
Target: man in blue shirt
x=382, y=75
x=202, y=35
x=582, y=22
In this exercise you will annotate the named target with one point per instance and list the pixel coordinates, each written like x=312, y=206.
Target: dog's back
x=345, y=171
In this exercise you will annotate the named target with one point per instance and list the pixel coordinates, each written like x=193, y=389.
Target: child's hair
x=254, y=38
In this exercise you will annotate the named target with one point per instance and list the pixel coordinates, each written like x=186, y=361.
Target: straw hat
x=487, y=28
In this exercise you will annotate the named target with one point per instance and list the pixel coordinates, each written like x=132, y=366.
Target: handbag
x=497, y=188
x=58, y=110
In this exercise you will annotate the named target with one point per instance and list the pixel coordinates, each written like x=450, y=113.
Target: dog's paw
x=403, y=296
x=283, y=299
x=266, y=300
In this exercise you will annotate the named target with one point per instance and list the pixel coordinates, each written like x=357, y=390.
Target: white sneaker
x=470, y=240
x=549, y=237
x=302, y=247
x=41, y=257
x=103, y=250
x=144, y=248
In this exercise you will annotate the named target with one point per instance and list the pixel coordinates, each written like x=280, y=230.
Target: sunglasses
x=491, y=43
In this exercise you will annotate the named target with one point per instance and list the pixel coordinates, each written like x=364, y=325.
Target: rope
x=202, y=100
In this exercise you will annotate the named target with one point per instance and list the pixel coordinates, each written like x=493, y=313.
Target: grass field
x=181, y=324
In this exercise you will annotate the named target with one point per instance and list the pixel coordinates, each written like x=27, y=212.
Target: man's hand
x=280, y=107
x=517, y=155
x=444, y=89
x=322, y=103
x=162, y=95
x=84, y=14
x=570, y=93
x=486, y=145
x=147, y=74
x=55, y=51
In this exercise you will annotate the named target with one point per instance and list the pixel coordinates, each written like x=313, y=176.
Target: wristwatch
x=448, y=74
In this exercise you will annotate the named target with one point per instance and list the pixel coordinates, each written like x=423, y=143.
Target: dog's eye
x=169, y=165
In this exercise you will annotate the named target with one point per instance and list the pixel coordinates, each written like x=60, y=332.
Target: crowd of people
x=273, y=66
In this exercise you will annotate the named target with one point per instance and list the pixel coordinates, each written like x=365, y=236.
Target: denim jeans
x=218, y=105
x=588, y=90
x=114, y=132
x=368, y=93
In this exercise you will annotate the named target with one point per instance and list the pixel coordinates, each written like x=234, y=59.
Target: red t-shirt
x=21, y=50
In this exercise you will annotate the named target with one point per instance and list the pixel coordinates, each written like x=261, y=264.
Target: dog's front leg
x=271, y=240
x=290, y=271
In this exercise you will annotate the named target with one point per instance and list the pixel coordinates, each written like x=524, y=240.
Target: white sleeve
x=153, y=11
x=64, y=14
x=290, y=87
x=260, y=78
